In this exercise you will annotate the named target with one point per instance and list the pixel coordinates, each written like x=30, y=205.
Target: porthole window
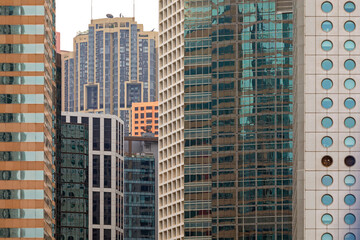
x=349, y=7
x=327, y=142
x=327, y=236
x=349, y=64
x=327, y=219
x=349, y=161
x=326, y=84
x=327, y=7
x=350, y=180
x=349, y=122
x=327, y=199
x=349, y=83
x=350, y=199
x=349, y=45
x=326, y=45
x=327, y=161
x=327, y=103
x=327, y=64
x=326, y=122
x=326, y=26
x=349, y=236
x=327, y=180
x=349, y=142
x=349, y=103
x=349, y=26
x=350, y=218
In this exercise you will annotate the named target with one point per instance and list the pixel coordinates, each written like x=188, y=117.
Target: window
x=96, y=171
x=349, y=103
x=349, y=236
x=349, y=7
x=96, y=234
x=327, y=84
x=326, y=26
x=326, y=122
x=107, y=171
x=327, y=199
x=327, y=64
x=350, y=219
x=349, y=161
x=136, y=115
x=349, y=45
x=327, y=236
x=349, y=26
x=326, y=45
x=349, y=180
x=327, y=161
x=107, y=208
x=349, y=64
x=148, y=115
x=327, y=180
x=327, y=142
x=142, y=115
x=96, y=134
x=107, y=234
x=156, y=114
x=350, y=199
x=107, y=134
x=142, y=109
x=148, y=108
x=136, y=109
x=349, y=122
x=73, y=119
x=85, y=120
x=349, y=142
x=96, y=208
x=349, y=83
x=327, y=219
x=326, y=103
x=326, y=7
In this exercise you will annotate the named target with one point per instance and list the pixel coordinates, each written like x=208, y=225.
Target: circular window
x=349, y=26
x=326, y=26
x=327, y=161
x=349, y=142
x=327, y=236
x=349, y=64
x=349, y=45
x=349, y=7
x=327, y=7
x=327, y=219
x=326, y=45
x=327, y=103
x=350, y=218
x=349, y=122
x=327, y=142
x=327, y=199
x=349, y=236
x=349, y=103
x=350, y=199
x=349, y=161
x=327, y=65
x=327, y=180
x=326, y=83
x=350, y=180
x=349, y=83
x=326, y=122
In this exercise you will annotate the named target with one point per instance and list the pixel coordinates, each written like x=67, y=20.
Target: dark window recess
x=96, y=208
x=142, y=115
x=107, y=171
x=107, y=234
x=107, y=208
x=96, y=171
x=63, y=119
x=96, y=134
x=85, y=120
x=107, y=134
x=96, y=234
x=148, y=108
x=136, y=109
x=156, y=121
x=73, y=119
x=156, y=107
x=136, y=115
x=156, y=114
x=142, y=108
x=149, y=115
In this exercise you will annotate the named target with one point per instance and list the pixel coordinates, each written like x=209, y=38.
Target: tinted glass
x=96, y=134
x=349, y=83
x=107, y=208
x=96, y=208
x=327, y=142
x=327, y=7
x=349, y=236
x=327, y=84
x=349, y=103
x=349, y=142
x=327, y=236
x=327, y=64
x=107, y=134
x=327, y=219
x=327, y=161
x=327, y=199
x=349, y=45
x=349, y=122
x=349, y=180
x=349, y=7
x=96, y=234
x=107, y=171
x=349, y=64
x=327, y=103
x=350, y=219
x=96, y=171
x=350, y=199
x=327, y=180
x=326, y=26
x=349, y=26
x=349, y=161
x=327, y=122
x=326, y=45
x=107, y=234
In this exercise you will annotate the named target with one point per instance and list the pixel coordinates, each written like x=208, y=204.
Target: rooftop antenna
x=91, y=9
x=134, y=9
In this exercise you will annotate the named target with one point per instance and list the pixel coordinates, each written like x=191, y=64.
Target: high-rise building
x=225, y=93
x=145, y=118
x=27, y=109
x=102, y=184
x=326, y=152
x=113, y=65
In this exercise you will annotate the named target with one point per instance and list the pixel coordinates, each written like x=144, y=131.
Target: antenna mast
x=91, y=9
x=134, y=9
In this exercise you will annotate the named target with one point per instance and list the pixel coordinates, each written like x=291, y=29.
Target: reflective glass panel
x=349, y=122
x=349, y=142
x=22, y=48
x=349, y=103
x=349, y=26
x=349, y=7
x=22, y=156
x=21, y=137
x=21, y=98
x=22, y=29
x=22, y=213
x=22, y=194
x=327, y=180
x=327, y=7
x=327, y=199
x=327, y=236
x=327, y=142
x=349, y=83
x=22, y=117
x=326, y=45
x=22, y=232
x=349, y=45
x=27, y=80
x=22, y=175
x=350, y=218
x=327, y=219
x=327, y=64
x=350, y=199
x=22, y=67
x=327, y=103
x=327, y=84
x=22, y=10
x=349, y=180
x=349, y=161
x=327, y=122
x=349, y=64
x=349, y=236
x=326, y=26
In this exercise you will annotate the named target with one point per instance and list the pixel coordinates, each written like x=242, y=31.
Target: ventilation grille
x=284, y=6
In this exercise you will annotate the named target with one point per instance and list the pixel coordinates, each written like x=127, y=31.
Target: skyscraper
x=226, y=104
x=113, y=65
x=27, y=108
x=145, y=118
x=326, y=153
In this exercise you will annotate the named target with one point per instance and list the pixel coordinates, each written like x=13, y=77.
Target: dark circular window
x=349, y=161
x=327, y=161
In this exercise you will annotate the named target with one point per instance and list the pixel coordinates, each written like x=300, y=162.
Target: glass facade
x=238, y=120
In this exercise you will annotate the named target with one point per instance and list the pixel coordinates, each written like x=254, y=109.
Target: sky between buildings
x=75, y=15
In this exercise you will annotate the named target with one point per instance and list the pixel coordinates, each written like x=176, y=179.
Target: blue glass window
x=327, y=7
x=349, y=122
x=327, y=103
x=350, y=218
x=349, y=142
x=327, y=26
x=349, y=26
x=327, y=64
x=327, y=122
x=350, y=199
x=349, y=236
x=349, y=83
x=327, y=236
x=327, y=142
x=349, y=64
x=327, y=199
x=327, y=84
x=350, y=180
x=349, y=7
x=327, y=180
x=326, y=45
x=349, y=45
x=349, y=161
x=349, y=103
x=327, y=219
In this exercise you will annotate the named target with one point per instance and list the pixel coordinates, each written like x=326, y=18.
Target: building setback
x=113, y=65
x=27, y=109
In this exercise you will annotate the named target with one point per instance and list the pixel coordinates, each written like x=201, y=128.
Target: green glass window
x=22, y=117
x=21, y=99
x=22, y=175
x=22, y=10
x=22, y=67
x=22, y=48
x=22, y=194
x=21, y=137
x=27, y=80
x=22, y=29
x=22, y=213
x=22, y=232
x=22, y=156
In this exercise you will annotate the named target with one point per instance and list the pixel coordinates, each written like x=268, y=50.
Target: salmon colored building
x=145, y=118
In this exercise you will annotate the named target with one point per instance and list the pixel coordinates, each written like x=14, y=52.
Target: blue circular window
x=349, y=103
x=350, y=199
x=349, y=64
x=349, y=122
x=327, y=236
x=327, y=219
x=349, y=45
x=349, y=83
x=327, y=64
x=327, y=84
x=350, y=218
x=349, y=236
x=327, y=142
x=327, y=103
x=349, y=7
x=327, y=7
x=349, y=161
x=326, y=26
x=327, y=199
x=326, y=45
x=327, y=180
x=326, y=122
x=350, y=180
x=349, y=26
x=349, y=142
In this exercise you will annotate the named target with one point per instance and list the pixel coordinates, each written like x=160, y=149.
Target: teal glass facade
x=238, y=120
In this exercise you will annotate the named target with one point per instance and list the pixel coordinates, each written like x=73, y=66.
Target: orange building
x=145, y=118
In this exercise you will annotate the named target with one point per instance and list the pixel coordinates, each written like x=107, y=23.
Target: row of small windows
x=328, y=141
x=327, y=7
x=348, y=236
x=349, y=84
x=327, y=26
x=327, y=161
x=349, y=219
x=327, y=103
x=327, y=64
x=327, y=122
x=349, y=45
